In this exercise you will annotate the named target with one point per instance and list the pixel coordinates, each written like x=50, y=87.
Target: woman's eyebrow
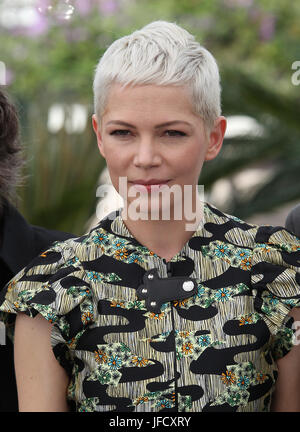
x=120, y=122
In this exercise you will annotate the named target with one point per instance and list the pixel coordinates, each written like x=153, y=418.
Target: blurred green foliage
x=255, y=44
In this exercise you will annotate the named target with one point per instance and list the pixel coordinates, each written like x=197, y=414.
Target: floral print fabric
x=214, y=351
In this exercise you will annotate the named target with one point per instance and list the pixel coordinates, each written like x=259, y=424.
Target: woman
x=145, y=313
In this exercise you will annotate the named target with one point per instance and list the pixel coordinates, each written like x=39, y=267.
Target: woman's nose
x=147, y=153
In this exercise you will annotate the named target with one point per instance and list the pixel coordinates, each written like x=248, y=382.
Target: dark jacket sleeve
x=293, y=221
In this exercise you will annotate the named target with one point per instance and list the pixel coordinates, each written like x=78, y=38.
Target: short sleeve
x=52, y=285
x=275, y=278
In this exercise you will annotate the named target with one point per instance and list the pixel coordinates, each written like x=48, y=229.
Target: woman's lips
x=149, y=187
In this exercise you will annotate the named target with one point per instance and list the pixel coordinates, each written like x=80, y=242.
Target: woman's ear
x=216, y=137
x=98, y=135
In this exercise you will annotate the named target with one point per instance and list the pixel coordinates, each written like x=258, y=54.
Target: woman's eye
x=120, y=132
x=125, y=133
x=173, y=133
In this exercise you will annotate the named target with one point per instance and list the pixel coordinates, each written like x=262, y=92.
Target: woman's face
x=150, y=134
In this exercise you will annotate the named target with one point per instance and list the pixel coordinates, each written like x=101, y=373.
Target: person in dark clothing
x=292, y=222
x=20, y=242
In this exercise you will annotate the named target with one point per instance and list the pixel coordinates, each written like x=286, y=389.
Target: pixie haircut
x=161, y=53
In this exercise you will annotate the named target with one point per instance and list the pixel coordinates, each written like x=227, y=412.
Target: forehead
x=149, y=100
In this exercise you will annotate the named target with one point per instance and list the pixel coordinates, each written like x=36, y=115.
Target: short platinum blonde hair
x=161, y=53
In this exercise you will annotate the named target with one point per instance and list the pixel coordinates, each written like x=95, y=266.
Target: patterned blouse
x=213, y=351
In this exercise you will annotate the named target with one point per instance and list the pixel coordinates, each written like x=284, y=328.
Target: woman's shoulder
x=274, y=271
x=228, y=228
x=235, y=230
x=61, y=277
x=86, y=247
x=56, y=282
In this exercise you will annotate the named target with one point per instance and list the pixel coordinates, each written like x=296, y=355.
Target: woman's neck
x=164, y=237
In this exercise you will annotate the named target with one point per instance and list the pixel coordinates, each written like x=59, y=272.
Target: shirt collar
x=114, y=223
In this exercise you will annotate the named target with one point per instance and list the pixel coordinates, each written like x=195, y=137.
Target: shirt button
x=188, y=285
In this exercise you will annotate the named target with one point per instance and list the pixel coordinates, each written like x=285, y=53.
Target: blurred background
x=48, y=53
